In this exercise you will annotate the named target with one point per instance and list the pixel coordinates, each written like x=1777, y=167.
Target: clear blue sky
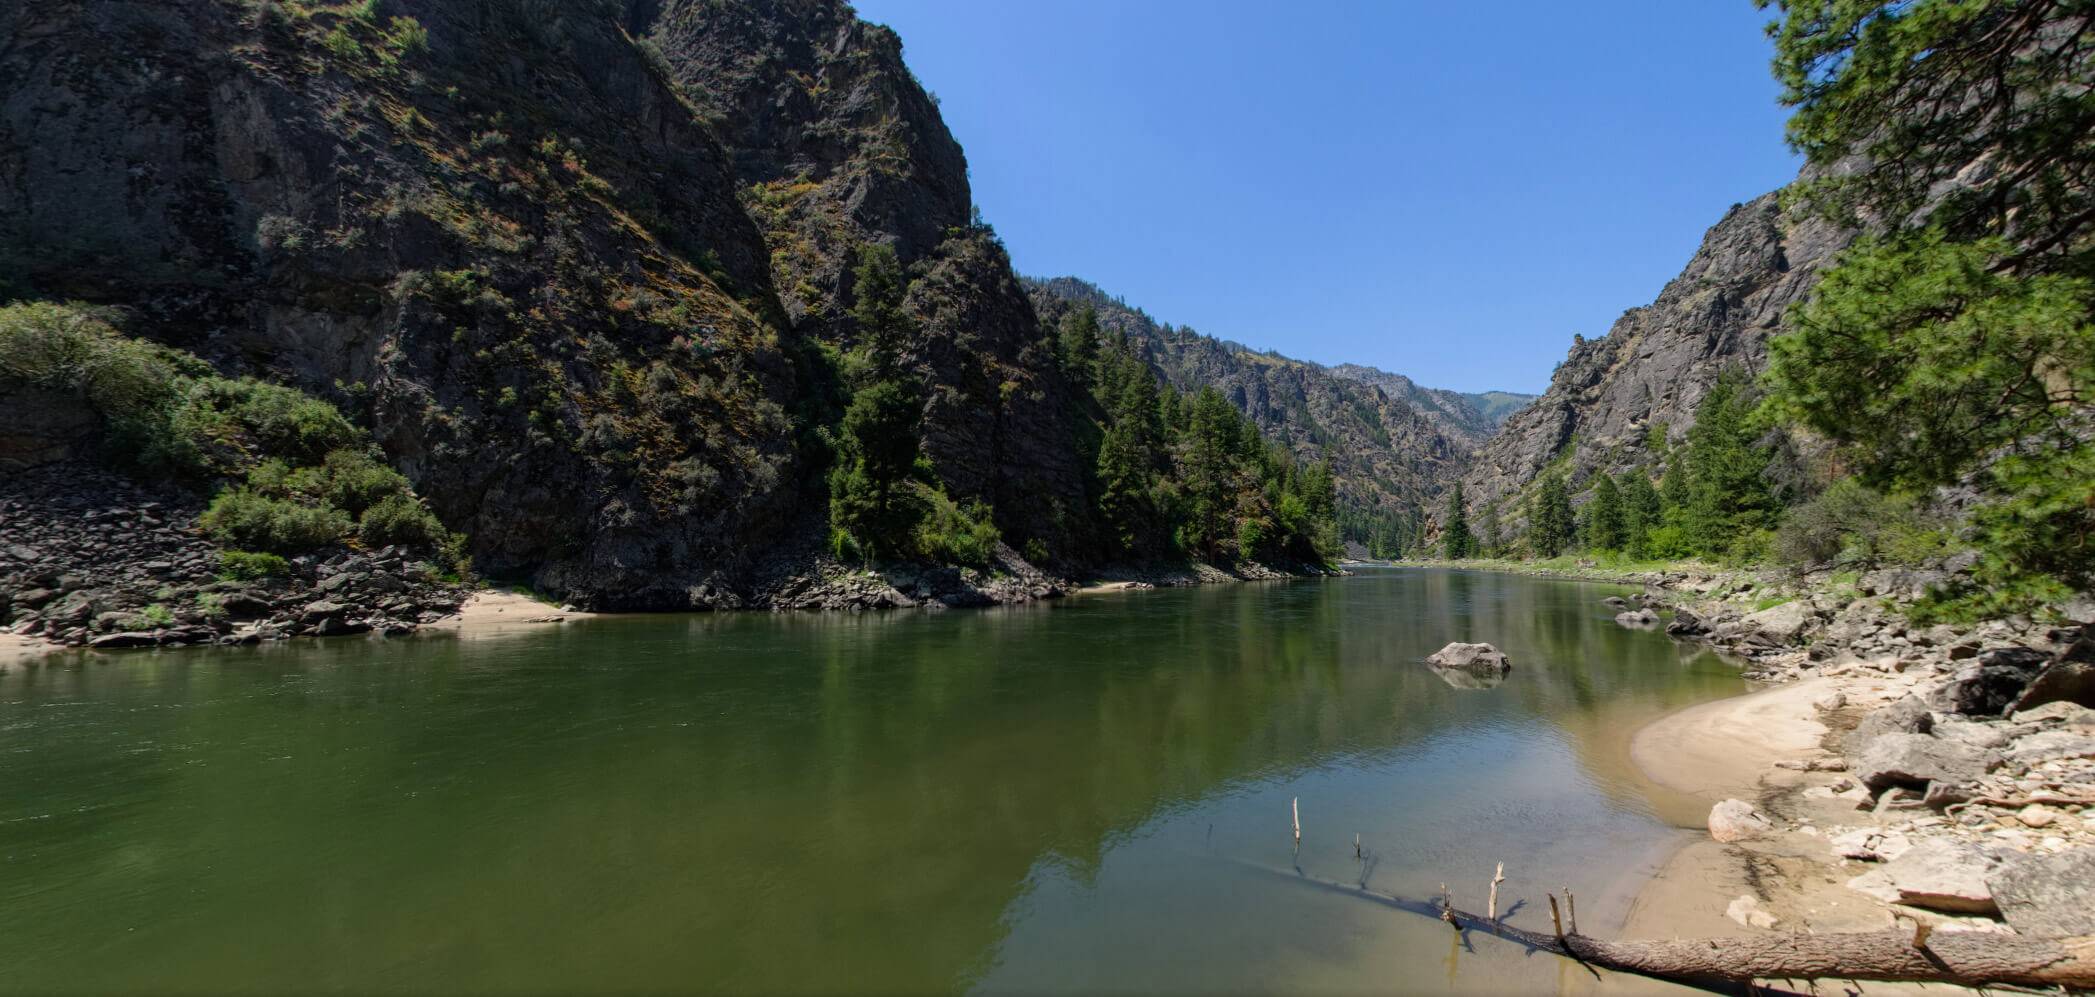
x=1445, y=190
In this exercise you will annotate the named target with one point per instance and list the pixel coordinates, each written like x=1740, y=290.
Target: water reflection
x=1057, y=797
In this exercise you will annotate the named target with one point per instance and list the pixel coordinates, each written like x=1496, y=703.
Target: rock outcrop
x=573, y=265
x=1655, y=365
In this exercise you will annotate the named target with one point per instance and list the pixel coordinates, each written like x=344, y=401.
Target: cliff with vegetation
x=1619, y=401
x=652, y=305
x=1389, y=455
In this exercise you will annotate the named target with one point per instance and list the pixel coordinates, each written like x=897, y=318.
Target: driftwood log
x=1966, y=958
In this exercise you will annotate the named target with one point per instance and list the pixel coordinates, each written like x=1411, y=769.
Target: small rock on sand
x=1736, y=820
x=1746, y=910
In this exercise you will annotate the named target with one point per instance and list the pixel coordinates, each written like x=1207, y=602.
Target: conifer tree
x=1455, y=539
x=1550, y=522
x=1605, y=520
x=1642, y=512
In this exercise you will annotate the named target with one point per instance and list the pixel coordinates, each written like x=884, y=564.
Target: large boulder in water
x=1641, y=619
x=1476, y=659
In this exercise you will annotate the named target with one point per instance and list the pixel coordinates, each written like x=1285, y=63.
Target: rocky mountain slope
x=1389, y=458
x=1653, y=367
x=574, y=265
x=1470, y=416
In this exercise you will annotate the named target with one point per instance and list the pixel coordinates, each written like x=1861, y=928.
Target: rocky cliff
x=1471, y=417
x=572, y=263
x=1655, y=364
x=1389, y=458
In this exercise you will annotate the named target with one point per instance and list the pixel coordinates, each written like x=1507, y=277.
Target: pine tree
x=878, y=452
x=1490, y=535
x=1455, y=539
x=1642, y=512
x=1077, y=344
x=1606, y=528
x=884, y=328
x=1953, y=345
x=1728, y=491
x=1550, y=522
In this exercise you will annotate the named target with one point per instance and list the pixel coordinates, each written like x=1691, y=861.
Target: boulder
x=1906, y=716
x=1737, y=820
x=1479, y=659
x=1941, y=874
x=2049, y=896
x=2050, y=745
x=2069, y=679
x=1914, y=760
x=1990, y=683
x=1616, y=601
x=1777, y=626
x=1686, y=624
x=1638, y=620
x=2070, y=714
x=323, y=610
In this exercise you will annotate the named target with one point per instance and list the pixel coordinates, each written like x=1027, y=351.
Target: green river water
x=1085, y=795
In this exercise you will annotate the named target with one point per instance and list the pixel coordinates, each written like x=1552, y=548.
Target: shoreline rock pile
x=89, y=558
x=1958, y=777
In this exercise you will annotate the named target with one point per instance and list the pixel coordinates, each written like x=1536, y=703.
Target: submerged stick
x=1296, y=805
x=1491, y=910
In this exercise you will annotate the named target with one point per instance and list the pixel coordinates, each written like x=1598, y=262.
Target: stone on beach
x=1937, y=874
x=1737, y=820
x=2047, y=895
x=1914, y=760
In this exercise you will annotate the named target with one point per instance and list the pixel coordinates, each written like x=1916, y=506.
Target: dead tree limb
x=1966, y=958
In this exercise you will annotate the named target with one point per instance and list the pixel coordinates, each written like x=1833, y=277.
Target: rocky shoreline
x=88, y=558
x=91, y=559
x=1945, y=776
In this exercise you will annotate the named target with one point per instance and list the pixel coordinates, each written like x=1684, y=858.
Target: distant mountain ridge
x=1474, y=416
x=1393, y=444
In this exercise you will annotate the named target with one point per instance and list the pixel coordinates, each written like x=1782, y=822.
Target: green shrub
x=211, y=604
x=157, y=615
x=242, y=518
x=400, y=519
x=957, y=534
x=250, y=566
x=1849, y=524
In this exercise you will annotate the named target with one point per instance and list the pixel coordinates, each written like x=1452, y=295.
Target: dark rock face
x=567, y=261
x=1387, y=456
x=838, y=145
x=518, y=245
x=1657, y=362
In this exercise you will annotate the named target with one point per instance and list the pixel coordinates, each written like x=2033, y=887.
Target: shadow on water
x=1028, y=798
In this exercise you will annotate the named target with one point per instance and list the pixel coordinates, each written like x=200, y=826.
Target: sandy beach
x=491, y=612
x=15, y=648
x=1735, y=749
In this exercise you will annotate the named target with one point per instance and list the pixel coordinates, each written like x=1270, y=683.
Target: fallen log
x=1970, y=959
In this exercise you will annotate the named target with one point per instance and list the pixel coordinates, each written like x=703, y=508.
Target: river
x=1088, y=794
